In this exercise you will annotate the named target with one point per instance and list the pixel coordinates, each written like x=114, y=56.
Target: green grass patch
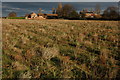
x=16, y=18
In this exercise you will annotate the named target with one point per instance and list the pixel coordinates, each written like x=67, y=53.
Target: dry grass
x=60, y=49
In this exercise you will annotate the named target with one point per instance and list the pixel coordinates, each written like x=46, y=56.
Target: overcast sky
x=59, y=0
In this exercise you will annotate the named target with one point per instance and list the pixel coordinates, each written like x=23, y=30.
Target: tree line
x=67, y=11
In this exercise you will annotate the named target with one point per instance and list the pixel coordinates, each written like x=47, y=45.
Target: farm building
x=32, y=15
x=90, y=14
x=41, y=16
x=52, y=16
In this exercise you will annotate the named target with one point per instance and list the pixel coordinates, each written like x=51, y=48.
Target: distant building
x=89, y=14
x=31, y=16
x=52, y=16
x=41, y=16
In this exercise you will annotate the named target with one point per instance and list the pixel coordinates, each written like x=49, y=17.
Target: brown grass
x=60, y=49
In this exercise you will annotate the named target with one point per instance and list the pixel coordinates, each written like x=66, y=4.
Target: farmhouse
x=90, y=14
x=41, y=16
x=31, y=15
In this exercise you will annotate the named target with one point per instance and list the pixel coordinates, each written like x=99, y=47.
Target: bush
x=12, y=14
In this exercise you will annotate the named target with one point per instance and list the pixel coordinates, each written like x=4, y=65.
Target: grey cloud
x=9, y=9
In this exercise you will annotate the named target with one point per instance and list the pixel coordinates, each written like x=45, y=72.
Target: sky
x=22, y=8
x=59, y=0
x=8, y=8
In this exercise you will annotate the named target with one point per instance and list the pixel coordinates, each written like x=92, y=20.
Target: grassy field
x=60, y=49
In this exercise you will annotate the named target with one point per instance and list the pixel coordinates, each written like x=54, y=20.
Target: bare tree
x=53, y=10
x=59, y=10
x=40, y=10
x=97, y=8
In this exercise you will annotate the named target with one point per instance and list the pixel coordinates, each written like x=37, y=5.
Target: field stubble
x=60, y=49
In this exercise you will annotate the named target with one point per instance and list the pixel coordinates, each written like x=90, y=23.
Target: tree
x=119, y=9
x=74, y=15
x=111, y=13
x=59, y=10
x=40, y=10
x=53, y=10
x=12, y=14
x=97, y=9
x=67, y=10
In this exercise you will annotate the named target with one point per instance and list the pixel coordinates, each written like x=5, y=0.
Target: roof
x=41, y=14
x=52, y=14
x=33, y=13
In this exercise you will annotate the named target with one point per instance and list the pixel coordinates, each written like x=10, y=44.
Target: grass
x=60, y=49
x=15, y=18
